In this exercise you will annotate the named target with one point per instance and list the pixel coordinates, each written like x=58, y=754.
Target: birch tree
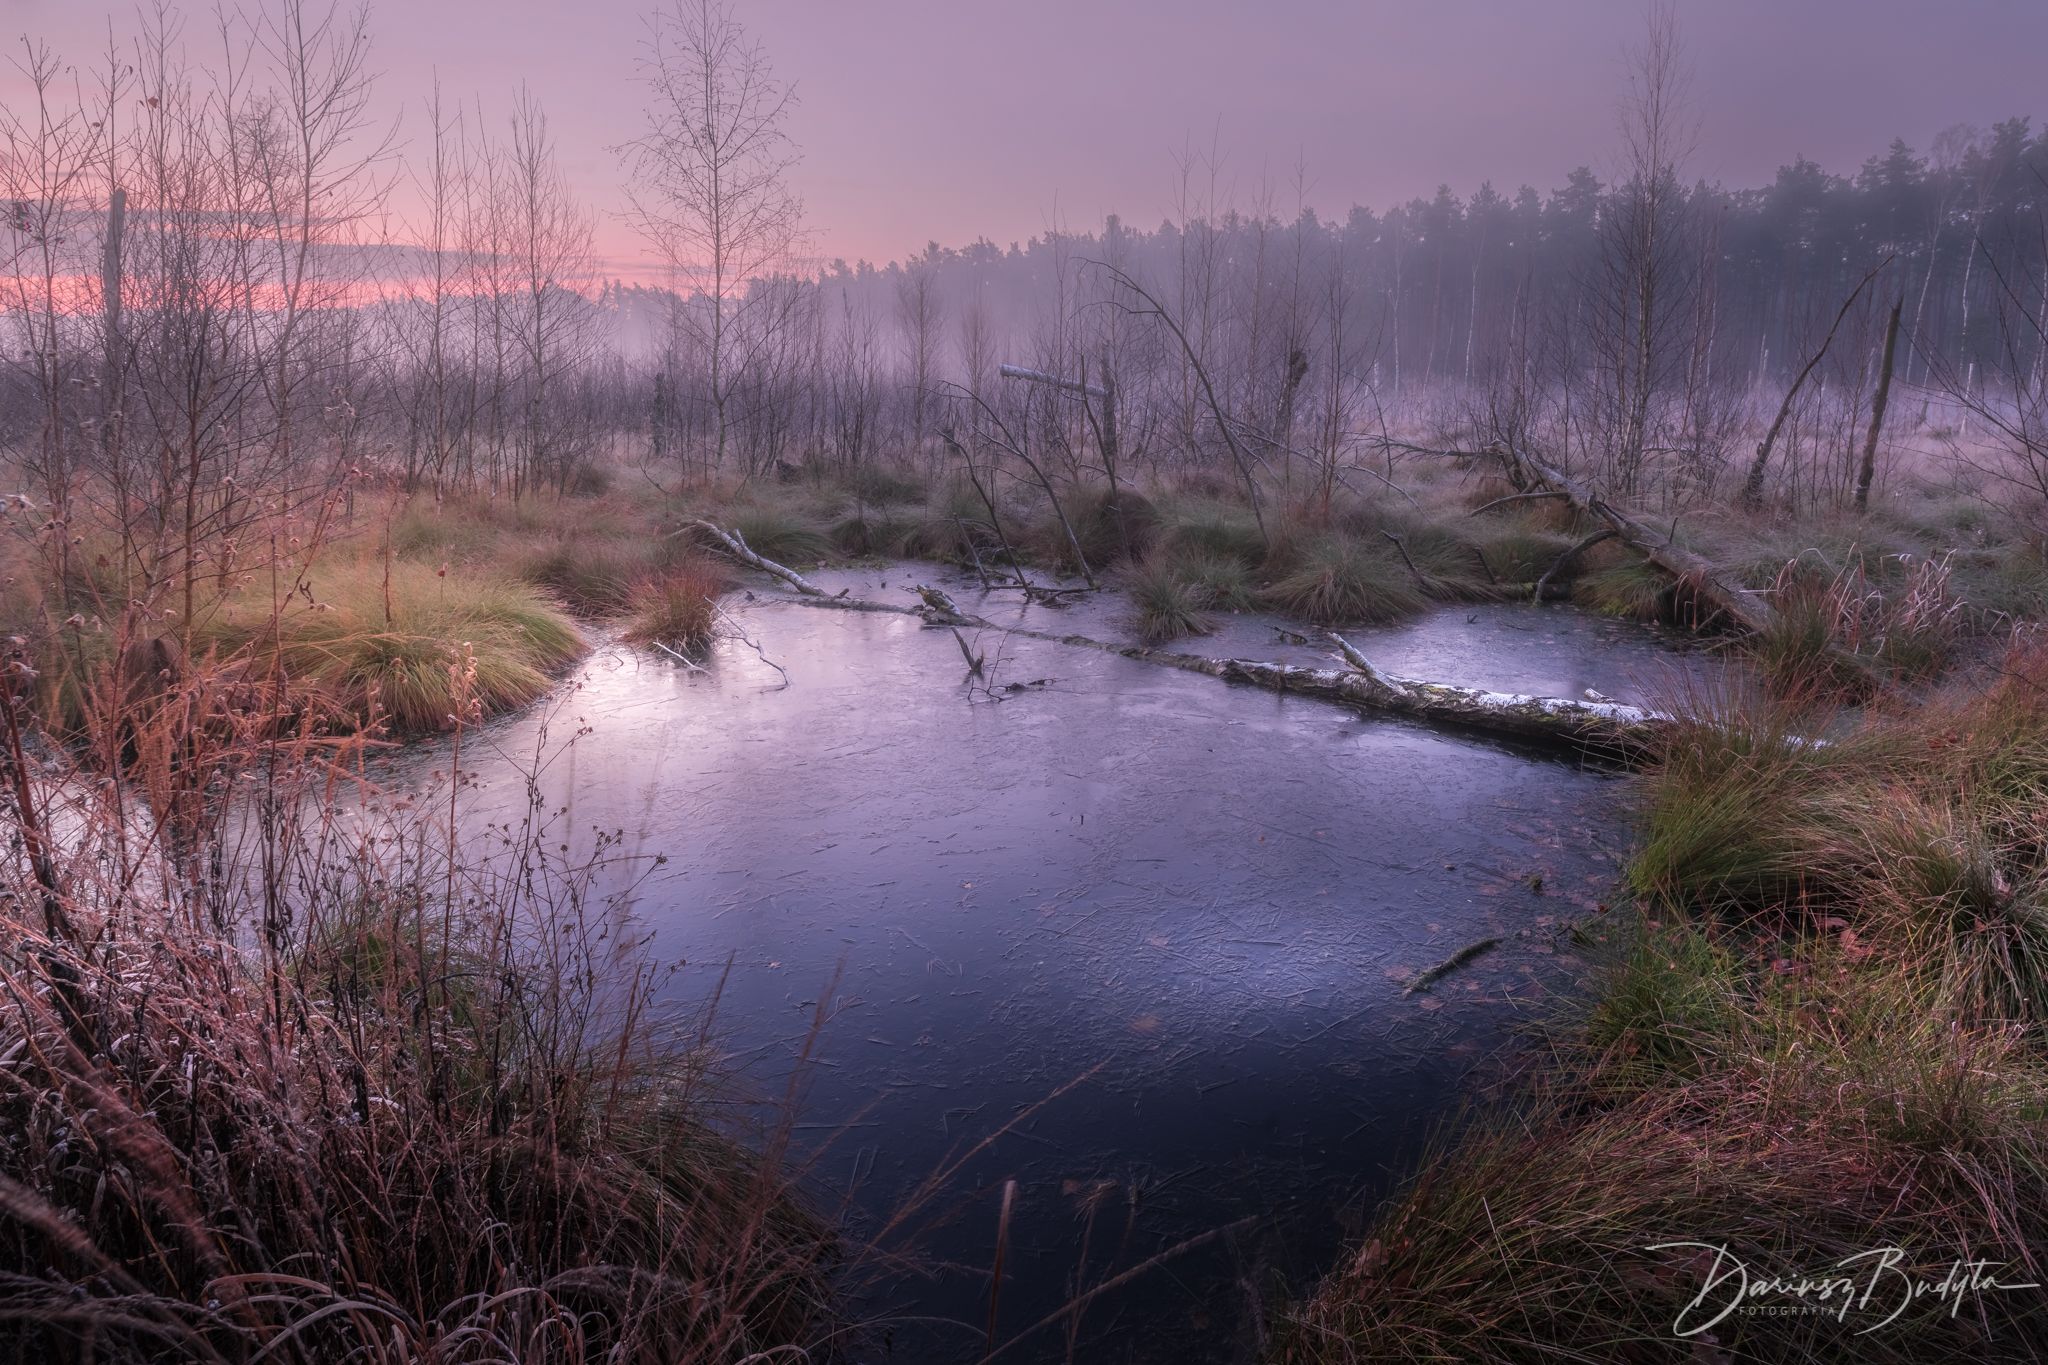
x=711, y=191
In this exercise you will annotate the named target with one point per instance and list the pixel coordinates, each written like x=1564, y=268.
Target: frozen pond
x=1172, y=914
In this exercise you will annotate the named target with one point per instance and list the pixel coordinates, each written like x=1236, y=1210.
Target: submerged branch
x=1429, y=978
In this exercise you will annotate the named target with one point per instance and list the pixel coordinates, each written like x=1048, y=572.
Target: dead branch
x=1365, y=666
x=1753, y=486
x=1450, y=964
x=1041, y=377
x=755, y=645
x=1607, y=533
x=1712, y=583
x=974, y=661
x=1515, y=497
x=1608, y=726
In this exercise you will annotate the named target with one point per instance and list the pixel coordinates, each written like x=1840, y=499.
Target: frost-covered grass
x=1813, y=1033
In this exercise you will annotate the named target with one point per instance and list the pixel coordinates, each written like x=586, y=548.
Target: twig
x=1450, y=964
x=1515, y=497
x=685, y=660
x=754, y=645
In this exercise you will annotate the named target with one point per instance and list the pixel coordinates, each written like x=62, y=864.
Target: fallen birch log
x=1581, y=723
x=736, y=545
x=1592, y=722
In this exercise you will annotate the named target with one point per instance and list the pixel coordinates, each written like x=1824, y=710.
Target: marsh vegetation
x=345, y=1018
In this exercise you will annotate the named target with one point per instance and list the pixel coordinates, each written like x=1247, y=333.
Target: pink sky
x=923, y=120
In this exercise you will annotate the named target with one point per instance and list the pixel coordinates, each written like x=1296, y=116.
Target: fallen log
x=736, y=545
x=1604, y=725
x=1708, y=580
x=1592, y=722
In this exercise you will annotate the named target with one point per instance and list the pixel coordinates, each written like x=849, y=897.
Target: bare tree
x=551, y=235
x=918, y=315
x=1640, y=294
x=1753, y=485
x=433, y=301
x=45, y=161
x=711, y=191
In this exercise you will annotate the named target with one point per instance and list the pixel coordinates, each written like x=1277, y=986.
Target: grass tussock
x=1340, y=580
x=782, y=531
x=1210, y=528
x=593, y=576
x=1168, y=602
x=870, y=531
x=1818, y=1039
x=679, y=607
x=1629, y=588
x=413, y=652
x=1842, y=635
x=1599, y=1219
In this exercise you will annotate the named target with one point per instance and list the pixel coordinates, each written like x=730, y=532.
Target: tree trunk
x=1710, y=582
x=1884, y=394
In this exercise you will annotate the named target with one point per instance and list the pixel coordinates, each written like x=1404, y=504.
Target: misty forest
x=1256, y=779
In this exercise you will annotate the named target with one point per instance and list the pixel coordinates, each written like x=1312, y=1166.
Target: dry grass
x=409, y=658
x=1339, y=580
x=679, y=607
x=1166, y=602
x=331, y=1089
x=1820, y=1038
x=1841, y=635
